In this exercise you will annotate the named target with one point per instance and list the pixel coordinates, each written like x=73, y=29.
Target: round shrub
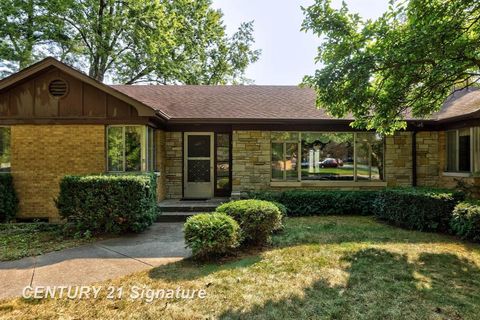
x=211, y=234
x=465, y=220
x=257, y=218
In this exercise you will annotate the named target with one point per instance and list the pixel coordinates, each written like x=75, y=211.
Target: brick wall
x=250, y=160
x=173, y=165
x=43, y=154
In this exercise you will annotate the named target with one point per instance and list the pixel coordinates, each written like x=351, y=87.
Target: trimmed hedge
x=417, y=208
x=465, y=220
x=211, y=234
x=257, y=218
x=8, y=198
x=325, y=202
x=108, y=203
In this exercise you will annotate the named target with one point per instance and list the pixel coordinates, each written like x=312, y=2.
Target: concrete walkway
x=162, y=243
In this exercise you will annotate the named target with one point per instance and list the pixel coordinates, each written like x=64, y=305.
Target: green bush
x=465, y=220
x=211, y=234
x=257, y=218
x=324, y=202
x=108, y=203
x=8, y=198
x=417, y=208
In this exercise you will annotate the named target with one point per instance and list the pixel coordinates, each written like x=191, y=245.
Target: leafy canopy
x=128, y=41
x=407, y=62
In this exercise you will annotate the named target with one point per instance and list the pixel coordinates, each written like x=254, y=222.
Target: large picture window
x=4, y=149
x=130, y=149
x=327, y=156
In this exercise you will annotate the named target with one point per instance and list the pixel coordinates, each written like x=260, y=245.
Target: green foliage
x=108, y=203
x=465, y=220
x=26, y=29
x=211, y=234
x=130, y=41
x=326, y=202
x=257, y=219
x=409, y=59
x=417, y=208
x=8, y=198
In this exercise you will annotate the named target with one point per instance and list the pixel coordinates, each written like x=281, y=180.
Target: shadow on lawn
x=188, y=269
x=384, y=285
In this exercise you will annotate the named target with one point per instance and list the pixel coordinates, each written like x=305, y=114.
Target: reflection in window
x=4, y=149
x=130, y=148
x=223, y=161
x=277, y=161
x=369, y=162
x=458, y=145
x=327, y=156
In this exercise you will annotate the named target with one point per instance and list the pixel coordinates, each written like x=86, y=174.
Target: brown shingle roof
x=228, y=102
x=261, y=102
x=460, y=103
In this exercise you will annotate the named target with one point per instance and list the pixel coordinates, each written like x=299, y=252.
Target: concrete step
x=172, y=216
x=188, y=208
x=175, y=205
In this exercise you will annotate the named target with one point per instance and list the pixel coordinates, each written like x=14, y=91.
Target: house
x=214, y=141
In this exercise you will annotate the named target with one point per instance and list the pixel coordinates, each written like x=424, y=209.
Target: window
x=223, y=161
x=4, y=149
x=284, y=156
x=130, y=148
x=458, y=150
x=326, y=156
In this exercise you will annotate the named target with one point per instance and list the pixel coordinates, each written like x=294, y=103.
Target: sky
x=287, y=53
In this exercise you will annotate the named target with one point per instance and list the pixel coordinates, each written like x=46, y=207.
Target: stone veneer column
x=250, y=161
x=173, y=165
x=160, y=164
x=398, y=159
x=428, y=158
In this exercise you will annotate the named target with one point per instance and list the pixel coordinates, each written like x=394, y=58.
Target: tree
x=25, y=29
x=132, y=41
x=408, y=61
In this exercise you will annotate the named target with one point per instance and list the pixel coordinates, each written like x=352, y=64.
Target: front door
x=198, y=165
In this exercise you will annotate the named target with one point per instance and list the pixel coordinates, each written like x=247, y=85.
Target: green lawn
x=30, y=239
x=318, y=268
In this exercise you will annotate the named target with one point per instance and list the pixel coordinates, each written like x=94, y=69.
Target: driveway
x=162, y=243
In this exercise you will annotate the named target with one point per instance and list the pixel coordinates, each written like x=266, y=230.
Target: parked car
x=329, y=163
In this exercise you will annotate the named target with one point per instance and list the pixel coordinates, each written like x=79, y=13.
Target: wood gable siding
x=31, y=99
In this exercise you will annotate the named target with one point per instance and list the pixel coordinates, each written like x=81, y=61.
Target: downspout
x=414, y=158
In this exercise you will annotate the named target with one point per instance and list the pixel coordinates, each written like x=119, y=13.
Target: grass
x=18, y=240
x=317, y=268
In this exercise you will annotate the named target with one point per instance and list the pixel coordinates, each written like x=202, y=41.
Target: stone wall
x=250, y=160
x=398, y=159
x=160, y=164
x=428, y=157
x=173, y=165
x=43, y=154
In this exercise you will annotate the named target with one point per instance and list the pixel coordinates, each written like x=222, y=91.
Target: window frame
x=457, y=151
x=299, y=150
x=284, y=157
x=146, y=160
x=10, y=146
